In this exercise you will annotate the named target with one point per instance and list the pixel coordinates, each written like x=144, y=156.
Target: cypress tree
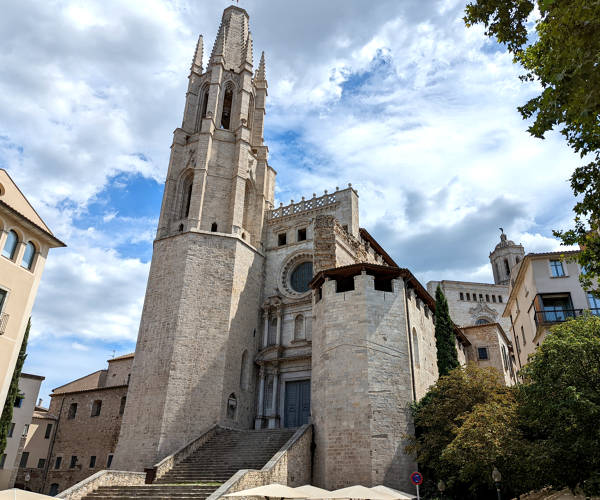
x=445, y=341
x=13, y=393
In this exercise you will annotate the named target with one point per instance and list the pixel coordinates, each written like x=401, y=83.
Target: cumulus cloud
x=399, y=98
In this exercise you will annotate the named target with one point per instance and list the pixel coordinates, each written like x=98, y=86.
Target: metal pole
x=418, y=497
x=498, y=491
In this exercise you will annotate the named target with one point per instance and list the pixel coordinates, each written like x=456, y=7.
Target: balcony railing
x=3, y=322
x=558, y=315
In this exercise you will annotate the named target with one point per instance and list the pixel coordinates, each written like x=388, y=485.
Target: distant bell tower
x=504, y=257
x=200, y=317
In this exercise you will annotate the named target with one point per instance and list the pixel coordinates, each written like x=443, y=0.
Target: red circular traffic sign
x=416, y=478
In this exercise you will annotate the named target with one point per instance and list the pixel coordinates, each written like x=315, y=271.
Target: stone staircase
x=199, y=475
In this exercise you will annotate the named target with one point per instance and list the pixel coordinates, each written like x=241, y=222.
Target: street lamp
x=442, y=487
x=497, y=477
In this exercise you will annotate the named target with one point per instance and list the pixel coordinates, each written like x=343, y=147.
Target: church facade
x=258, y=316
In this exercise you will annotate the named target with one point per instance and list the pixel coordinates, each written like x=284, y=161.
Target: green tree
x=445, y=341
x=466, y=425
x=13, y=392
x=563, y=56
x=560, y=403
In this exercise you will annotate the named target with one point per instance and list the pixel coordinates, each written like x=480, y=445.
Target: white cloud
x=400, y=99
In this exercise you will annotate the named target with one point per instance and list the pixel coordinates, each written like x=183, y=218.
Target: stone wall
x=102, y=478
x=361, y=386
x=290, y=466
x=199, y=316
x=85, y=435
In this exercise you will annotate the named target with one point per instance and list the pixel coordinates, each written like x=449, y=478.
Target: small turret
x=261, y=72
x=504, y=257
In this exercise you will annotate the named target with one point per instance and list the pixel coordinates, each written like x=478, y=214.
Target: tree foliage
x=543, y=432
x=560, y=402
x=563, y=56
x=445, y=341
x=13, y=392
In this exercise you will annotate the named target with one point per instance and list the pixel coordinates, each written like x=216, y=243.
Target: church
x=259, y=316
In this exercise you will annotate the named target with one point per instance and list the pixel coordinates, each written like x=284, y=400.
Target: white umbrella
x=312, y=491
x=270, y=490
x=395, y=494
x=357, y=492
x=16, y=494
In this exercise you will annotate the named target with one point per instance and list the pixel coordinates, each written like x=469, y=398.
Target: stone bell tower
x=504, y=257
x=197, y=338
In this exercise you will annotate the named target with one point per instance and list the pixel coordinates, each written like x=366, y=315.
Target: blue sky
x=398, y=98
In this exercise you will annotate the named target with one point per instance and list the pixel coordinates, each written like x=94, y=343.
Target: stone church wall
x=199, y=316
x=361, y=386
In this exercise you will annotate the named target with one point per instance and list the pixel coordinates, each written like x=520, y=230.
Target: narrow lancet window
x=227, y=104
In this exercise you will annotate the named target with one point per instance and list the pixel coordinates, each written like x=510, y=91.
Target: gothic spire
x=261, y=72
x=197, y=62
x=230, y=47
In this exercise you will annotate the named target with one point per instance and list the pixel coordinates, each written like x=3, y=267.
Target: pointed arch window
x=186, y=191
x=10, y=247
x=507, y=267
x=250, y=113
x=203, y=108
x=227, y=106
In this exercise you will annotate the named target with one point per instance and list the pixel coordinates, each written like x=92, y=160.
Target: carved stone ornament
x=482, y=310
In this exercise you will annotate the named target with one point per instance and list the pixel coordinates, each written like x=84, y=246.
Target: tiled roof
x=125, y=356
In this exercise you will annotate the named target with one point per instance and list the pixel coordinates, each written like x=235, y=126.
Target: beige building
x=14, y=456
x=24, y=244
x=545, y=290
x=37, y=445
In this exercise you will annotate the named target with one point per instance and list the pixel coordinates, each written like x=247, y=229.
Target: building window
x=493, y=298
x=281, y=239
x=25, y=430
x=244, y=371
x=24, y=458
x=500, y=299
x=187, y=196
x=594, y=301
x=2, y=460
x=96, y=408
x=416, y=347
x=122, y=407
x=48, y=431
x=73, y=462
x=299, y=327
x=27, y=261
x=482, y=321
x=517, y=344
x=57, y=462
x=505, y=358
x=482, y=353
x=10, y=247
x=301, y=277
x=468, y=296
x=19, y=401
x=487, y=297
x=128, y=378
x=523, y=335
x=302, y=234
x=11, y=429
x=92, y=462
x=213, y=227
x=556, y=268
x=41, y=463
x=480, y=297
x=227, y=104
x=2, y=299
x=506, y=267
x=72, y=411
x=474, y=295
x=109, y=461
x=462, y=296
x=53, y=489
